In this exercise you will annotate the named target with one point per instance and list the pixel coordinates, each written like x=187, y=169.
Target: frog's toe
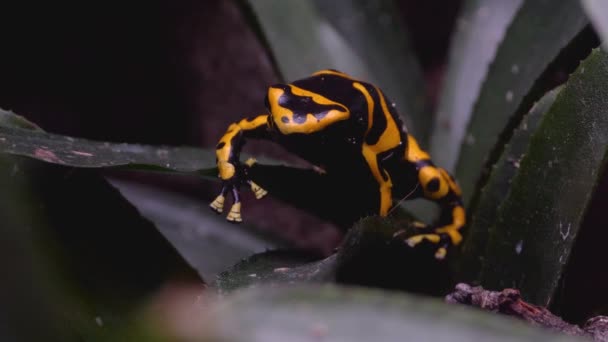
x=235, y=213
x=258, y=191
x=218, y=204
x=440, y=238
x=412, y=241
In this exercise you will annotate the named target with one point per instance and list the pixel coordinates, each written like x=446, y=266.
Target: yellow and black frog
x=337, y=122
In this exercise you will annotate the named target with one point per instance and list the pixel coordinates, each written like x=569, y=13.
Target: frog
x=337, y=122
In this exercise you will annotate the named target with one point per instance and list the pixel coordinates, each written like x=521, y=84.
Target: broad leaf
x=336, y=313
x=484, y=209
x=536, y=225
x=531, y=42
x=77, y=152
x=207, y=241
x=597, y=10
x=275, y=268
x=79, y=257
x=480, y=29
x=365, y=39
x=373, y=253
x=10, y=119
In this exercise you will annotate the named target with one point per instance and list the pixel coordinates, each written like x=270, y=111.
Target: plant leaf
x=484, y=209
x=365, y=39
x=77, y=152
x=24, y=138
x=207, y=241
x=277, y=267
x=79, y=255
x=597, y=10
x=10, y=119
x=480, y=29
x=363, y=258
x=337, y=313
x=540, y=217
x=532, y=41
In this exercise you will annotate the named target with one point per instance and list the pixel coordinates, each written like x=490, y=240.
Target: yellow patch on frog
x=433, y=183
x=332, y=72
x=453, y=185
x=224, y=146
x=414, y=153
x=390, y=138
x=312, y=123
x=226, y=169
x=453, y=229
x=370, y=104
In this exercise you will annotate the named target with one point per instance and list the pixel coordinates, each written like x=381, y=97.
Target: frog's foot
x=258, y=191
x=442, y=236
x=231, y=187
x=319, y=170
x=218, y=204
x=417, y=225
x=235, y=213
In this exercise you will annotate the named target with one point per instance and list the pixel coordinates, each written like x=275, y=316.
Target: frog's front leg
x=382, y=177
x=232, y=173
x=437, y=185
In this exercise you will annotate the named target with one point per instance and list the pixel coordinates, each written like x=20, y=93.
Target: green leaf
x=78, y=254
x=540, y=217
x=77, y=152
x=371, y=254
x=597, y=10
x=277, y=267
x=480, y=30
x=207, y=241
x=484, y=209
x=336, y=313
x=532, y=41
x=365, y=39
x=10, y=119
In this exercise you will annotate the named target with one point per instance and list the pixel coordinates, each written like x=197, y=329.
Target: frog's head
x=273, y=97
x=295, y=109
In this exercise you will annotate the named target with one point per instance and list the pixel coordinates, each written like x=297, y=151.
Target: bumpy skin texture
x=338, y=122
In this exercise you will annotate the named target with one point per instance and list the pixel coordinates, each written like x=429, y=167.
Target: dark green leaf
x=206, y=240
x=333, y=313
x=484, y=209
x=540, y=217
x=597, y=10
x=80, y=259
x=365, y=39
x=365, y=257
x=532, y=41
x=63, y=150
x=10, y=119
x=277, y=267
x=479, y=31
x=23, y=138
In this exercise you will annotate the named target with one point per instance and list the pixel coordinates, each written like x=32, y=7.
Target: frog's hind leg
x=230, y=170
x=438, y=186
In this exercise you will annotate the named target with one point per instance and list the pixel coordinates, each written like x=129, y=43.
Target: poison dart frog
x=334, y=120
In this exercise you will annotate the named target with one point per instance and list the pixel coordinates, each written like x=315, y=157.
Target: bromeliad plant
x=527, y=154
